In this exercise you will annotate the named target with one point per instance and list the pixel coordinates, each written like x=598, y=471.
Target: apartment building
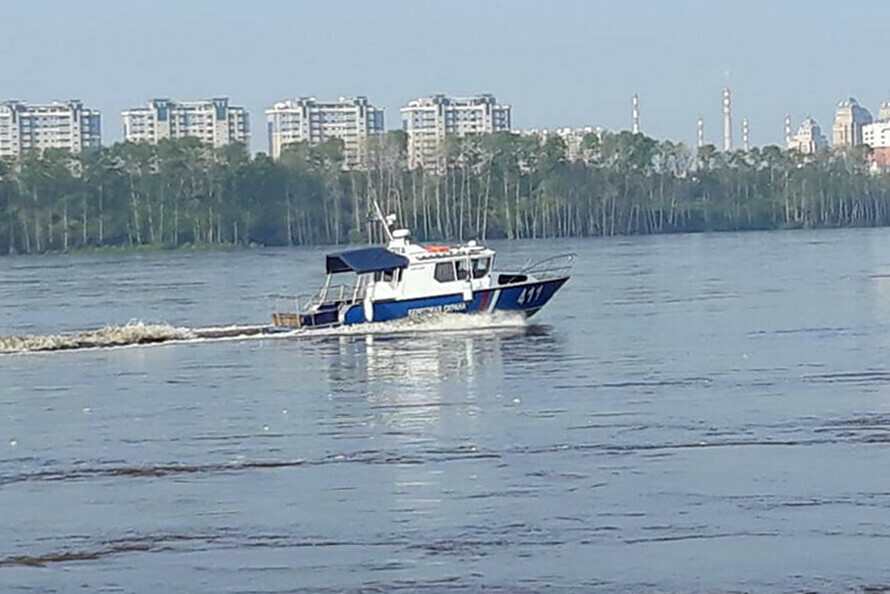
x=428, y=120
x=809, y=138
x=64, y=125
x=352, y=120
x=573, y=138
x=213, y=121
x=849, y=117
x=877, y=136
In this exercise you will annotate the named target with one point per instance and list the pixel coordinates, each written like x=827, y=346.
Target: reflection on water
x=408, y=377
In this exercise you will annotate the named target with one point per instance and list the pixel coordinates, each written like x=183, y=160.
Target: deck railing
x=552, y=267
x=305, y=302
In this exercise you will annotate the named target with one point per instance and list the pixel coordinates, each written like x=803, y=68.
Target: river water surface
x=697, y=412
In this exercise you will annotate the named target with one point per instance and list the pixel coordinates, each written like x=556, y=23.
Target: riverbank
x=210, y=248
x=496, y=185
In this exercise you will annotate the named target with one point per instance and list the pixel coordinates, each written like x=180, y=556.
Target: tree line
x=503, y=185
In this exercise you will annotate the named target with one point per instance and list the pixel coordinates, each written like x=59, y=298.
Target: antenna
x=727, y=121
x=746, y=145
x=701, y=132
x=635, y=115
x=387, y=221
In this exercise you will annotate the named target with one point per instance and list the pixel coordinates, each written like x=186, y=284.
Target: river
x=690, y=413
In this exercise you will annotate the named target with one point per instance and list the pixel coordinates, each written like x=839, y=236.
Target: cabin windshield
x=463, y=269
x=481, y=266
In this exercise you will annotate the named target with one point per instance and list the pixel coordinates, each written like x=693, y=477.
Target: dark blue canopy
x=360, y=261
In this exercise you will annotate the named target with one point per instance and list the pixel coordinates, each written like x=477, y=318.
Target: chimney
x=727, y=121
x=635, y=115
x=787, y=130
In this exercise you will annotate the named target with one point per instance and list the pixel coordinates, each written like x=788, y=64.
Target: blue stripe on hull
x=526, y=298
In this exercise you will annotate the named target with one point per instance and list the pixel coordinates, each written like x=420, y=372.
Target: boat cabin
x=406, y=270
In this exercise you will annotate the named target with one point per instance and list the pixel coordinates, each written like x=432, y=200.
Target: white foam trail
x=438, y=323
x=140, y=333
x=109, y=336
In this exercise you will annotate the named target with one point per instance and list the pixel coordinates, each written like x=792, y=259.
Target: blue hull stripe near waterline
x=526, y=298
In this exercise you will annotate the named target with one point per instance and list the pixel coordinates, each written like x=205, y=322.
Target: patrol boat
x=409, y=280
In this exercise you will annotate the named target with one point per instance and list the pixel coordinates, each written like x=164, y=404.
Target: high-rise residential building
x=849, y=117
x=428, y=120
x=809, y=138
x=884, y=112
x=877, y=136
x=64, y=125
x=573, y=138
x=214, y=122
x=308, y=120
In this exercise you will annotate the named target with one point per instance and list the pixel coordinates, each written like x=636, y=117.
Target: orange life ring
x=437, y=249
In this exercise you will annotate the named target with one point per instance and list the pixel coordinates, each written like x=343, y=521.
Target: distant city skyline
x=570, y=63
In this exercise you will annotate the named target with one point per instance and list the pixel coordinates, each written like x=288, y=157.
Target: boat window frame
x=462, y=266
x=476, y=272
x=389, y=275
x=441, y=266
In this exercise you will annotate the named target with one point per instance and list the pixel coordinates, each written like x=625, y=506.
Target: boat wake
x=139, y=333
x=130, y=334
x=110, y=336
x=435, y=323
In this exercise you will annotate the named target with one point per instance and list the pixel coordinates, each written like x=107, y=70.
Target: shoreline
x=209, y=248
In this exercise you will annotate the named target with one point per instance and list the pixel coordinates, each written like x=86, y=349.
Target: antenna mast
x=386, y=221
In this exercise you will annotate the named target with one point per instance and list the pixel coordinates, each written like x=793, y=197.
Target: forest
x=503, y=185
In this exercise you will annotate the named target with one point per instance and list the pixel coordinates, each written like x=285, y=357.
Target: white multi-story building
x=308, y=120
x=849, y=117
x=213, y=122
x=809, y=138
x=877, y=136
x=573, y=138
x=428, y=120
x=64, y=125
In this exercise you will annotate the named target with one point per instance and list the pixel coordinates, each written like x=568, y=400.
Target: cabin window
x=463, y=269
x=444, y=272
x=389, y=276
x=481, y=266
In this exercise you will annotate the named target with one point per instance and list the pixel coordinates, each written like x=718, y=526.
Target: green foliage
x=181, y=192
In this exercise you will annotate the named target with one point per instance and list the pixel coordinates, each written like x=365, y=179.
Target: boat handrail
x=553, y=266
x=305, y=302
x=291, y=303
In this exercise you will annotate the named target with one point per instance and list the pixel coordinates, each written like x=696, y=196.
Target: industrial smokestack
x=746, y=145
x=635, y=115
x=727, y=121
x=787, y=130
x=701, y=132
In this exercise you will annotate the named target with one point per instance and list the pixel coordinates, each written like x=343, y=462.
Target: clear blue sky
x=558, y=62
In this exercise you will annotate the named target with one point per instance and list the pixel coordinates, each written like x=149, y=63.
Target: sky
x=557, y=62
